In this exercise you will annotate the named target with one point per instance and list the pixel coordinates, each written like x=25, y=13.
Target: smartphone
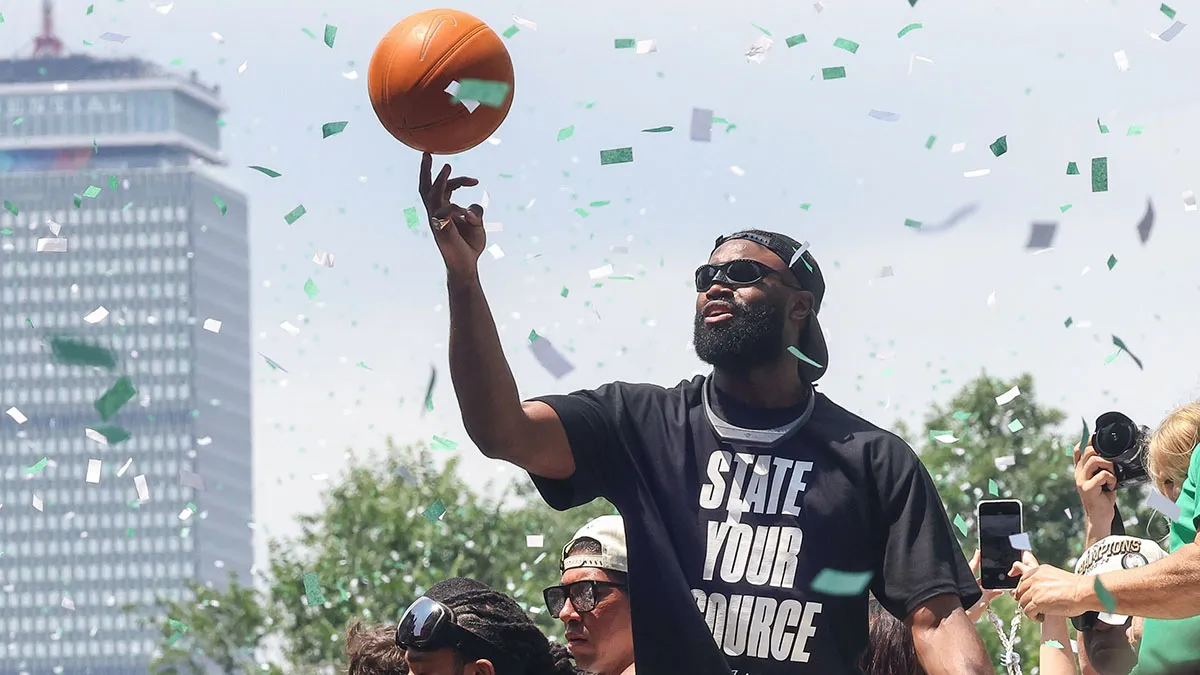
x=999, y=519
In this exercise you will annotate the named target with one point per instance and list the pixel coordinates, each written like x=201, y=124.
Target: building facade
x=111, y=201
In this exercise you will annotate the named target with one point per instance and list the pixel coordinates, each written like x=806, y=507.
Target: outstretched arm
x=946, y=641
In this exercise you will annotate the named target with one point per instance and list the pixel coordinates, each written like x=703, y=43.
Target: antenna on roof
x=47, y=44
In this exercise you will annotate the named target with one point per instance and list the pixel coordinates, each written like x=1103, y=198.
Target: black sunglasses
x=741, y=272
x=582, y=593
x=428, y=625
x=1088, y=621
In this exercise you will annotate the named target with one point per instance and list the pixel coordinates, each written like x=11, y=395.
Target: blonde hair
x=372, y=650
x=1171, y=447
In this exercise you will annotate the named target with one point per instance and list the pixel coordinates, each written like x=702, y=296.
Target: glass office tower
x=111, y=201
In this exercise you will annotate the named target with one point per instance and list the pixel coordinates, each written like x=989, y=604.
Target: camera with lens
x=1123, y=443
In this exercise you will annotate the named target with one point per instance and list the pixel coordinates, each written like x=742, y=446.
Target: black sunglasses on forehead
x=741, y=272
x=428, y=625
x=582, y=593
x=1088, y=621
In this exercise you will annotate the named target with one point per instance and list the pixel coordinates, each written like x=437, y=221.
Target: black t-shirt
x=740, y=532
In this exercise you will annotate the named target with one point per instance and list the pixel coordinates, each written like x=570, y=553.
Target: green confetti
x=1106, y=599
x=658, y=130
x=1064, y=208
x=835, y=73
x=220, y=205
x=909, y=222
x=1121, y=345
x=1134, y=130
x=330, y=35
x=566, y=132
x=18, y=121
x=37, y=468
x=564, y=292
x=845, y=584
x=763, y=30
x=1085, y=436
x=485, y=92
x=311, y=290
x=1103, y=129
x=312, y=590
x=307, y=32
x=1072, y=169
x=596, y=205
x=444, y=443
x=113, y=183
x=117, y=395
x=1015, y=426
x=112, y=433
x=78, y=199
x=1053, y=643
x=510, y=31
x=332, y=128
x=993, y=488
x=800, y=355
x=1099, y=174
x=435, y=511
x=908, y=29
x=1, y=17
x=1167, y=10
x=805, y=207
x=929, y=142
x=71, y=352
x=90, y=9
x=582, y=213
x=616, y=156
x=1068, y=322
x=1000, y=146
x=270, y=173
x=1112, y=262
x=91, y=192
x=12, y=208
x=624, y=43
x=796, y=40
x=849, y=45
x=960, y=524
x=410, y=217
x=295, y=214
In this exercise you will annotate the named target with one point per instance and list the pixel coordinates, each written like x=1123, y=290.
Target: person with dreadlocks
x=458, y=627
x=746, y=494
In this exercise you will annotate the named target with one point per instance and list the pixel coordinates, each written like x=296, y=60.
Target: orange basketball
x=419, y=59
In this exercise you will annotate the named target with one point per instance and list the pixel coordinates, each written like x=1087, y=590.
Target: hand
x=1045, y=590
x=988, y=595
x=459, y=232
x=1093, y=474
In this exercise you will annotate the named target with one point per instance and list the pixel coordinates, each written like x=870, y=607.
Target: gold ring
x=439, y=224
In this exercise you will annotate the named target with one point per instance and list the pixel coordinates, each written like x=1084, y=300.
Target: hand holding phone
x=999, y=519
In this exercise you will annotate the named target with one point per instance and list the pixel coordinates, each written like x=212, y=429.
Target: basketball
x=441, y=81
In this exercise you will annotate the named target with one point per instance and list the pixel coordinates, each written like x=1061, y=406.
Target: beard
x=752, y=338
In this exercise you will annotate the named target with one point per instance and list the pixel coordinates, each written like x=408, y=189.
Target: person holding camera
x=1167, y=592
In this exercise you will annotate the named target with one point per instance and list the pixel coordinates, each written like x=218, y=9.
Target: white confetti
x=68, y=604
x=702, y=121
x=323, y=259
x=1159, y=502
x=492, y=226
x=96, y=315
x=976, y=173
x=535, y=540
x=646, y=47
x=737, y=170
x=1189, y=200
x=601, y=272
x=124, y=467
x=191, y=480
x=958, y=147
x=1020, y=541
x=452, y=89
x=218, y=37
x=319, y=476
x=204, y=440
x=143, y=491
x=494, y=249
x=1170, y=33
x=945, y=438
x=1008, y=396
x=1122, y=60
x=292, y=330
x=242, y=68
x=164, y=9
x=350, y=75
x=886, y=272
x=114, y=37
x=93, y=471
x=37, y=502
x=186, y=513
x=550, y=358
x=757, y=53
x=54, y=227
x=991, y=301
x=212, y=325
x=51, y=245
x=525, y=23
x=884, y=116
x=1002, y=463
x=16, y=415
x=96, y=436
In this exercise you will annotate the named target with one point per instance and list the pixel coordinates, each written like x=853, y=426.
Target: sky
x=803, y=156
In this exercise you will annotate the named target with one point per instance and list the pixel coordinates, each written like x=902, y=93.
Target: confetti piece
x=1072, y=169
x=124, y=467
x=114, y=37
x=1003, y=463
x=524, y=23
x=1122, y=60
x=75, y=353
x=36, y=468
x=757, y=52
x=91, y=9
x=120, y=393
x=549, y=357
x=1172, y=32
x=496, y=251
x=1121, y=345
x=566, y=132
x=884, y=116
x=958, y=147
x=658, y=130
x=1099, y=174
x=909, y=222
x=535, y=540
x=1146, y=224
x=976, y=173
x=486, y=92
x=93, y=471
x=440, y=443
x=270, y=173
x=1112, y=262
x=646, y=47
x=428, y=407
x=835, y=73
x=849, y=45
x=624, y=43
x=20, y=418
x=332, y=128
x=411, y=218
x=435, y=511
x=616, y=156
x=295, y=214
x=929, y=142
x=12, y=208
x=1053, y=643
x=1135, y=130
x=845, y=584
x=1068, y=322
x=212, y=325
x=312, y=590
x=702, y=122
x=1020, y=541
x=960, y=524
x=51, y=245
x=37, y=502
x=310, y=289
x=291, y=330
x=800, y=355
x=795, y=40
x=108, y=434
x=143, y=490
x=1008, y=396
x=330, y=35
x=1189, y=200
x=96, y=315
x=1000, y=146
x=993, y=488
x=908, y=29
x=1041, y=235
x=510, y=32
x=220, y=205
x=1159, y=502
x=1106, y=599
x=1015, y=426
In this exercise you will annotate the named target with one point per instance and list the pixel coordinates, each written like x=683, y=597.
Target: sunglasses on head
x=1088, y=621
x=583, y=595
x=741, y=272
x=428, y=625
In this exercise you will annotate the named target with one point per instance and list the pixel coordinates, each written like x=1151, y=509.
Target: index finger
x=426, y=180
x=975, y=562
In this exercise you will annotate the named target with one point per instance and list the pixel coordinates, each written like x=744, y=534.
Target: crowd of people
x=749, y=499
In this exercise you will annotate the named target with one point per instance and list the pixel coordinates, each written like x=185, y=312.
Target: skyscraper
x=116, y=231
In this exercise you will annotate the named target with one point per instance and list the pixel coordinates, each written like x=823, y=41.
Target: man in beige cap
x=592, y=600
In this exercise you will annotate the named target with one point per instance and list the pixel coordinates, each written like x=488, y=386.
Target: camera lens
x=1115, y=435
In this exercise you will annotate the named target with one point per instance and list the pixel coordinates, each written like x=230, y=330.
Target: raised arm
x=529, y=435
